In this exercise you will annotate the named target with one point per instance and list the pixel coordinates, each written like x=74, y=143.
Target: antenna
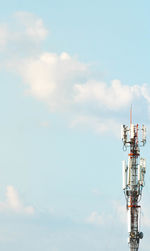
x=133, y=179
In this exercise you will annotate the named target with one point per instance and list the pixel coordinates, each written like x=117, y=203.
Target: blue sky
x=69, y=73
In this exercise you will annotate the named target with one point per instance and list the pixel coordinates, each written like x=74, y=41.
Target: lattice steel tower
x=133, y=179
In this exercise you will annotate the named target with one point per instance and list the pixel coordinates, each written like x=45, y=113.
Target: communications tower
x=133, y=179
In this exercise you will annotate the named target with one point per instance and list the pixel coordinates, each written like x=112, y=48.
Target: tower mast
x=133, y=179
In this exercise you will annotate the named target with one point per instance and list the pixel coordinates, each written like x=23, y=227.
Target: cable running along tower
x=133, y=179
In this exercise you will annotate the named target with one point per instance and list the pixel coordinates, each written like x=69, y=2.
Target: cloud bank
x=65, y=83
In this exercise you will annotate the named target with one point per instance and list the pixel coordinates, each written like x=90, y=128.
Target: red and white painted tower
x=133, y=179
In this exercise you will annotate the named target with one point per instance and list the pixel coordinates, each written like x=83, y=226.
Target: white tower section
x=133, y=180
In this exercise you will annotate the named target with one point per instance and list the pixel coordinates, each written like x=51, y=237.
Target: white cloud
x=14, y=204
x=117, y=215
x=145, y=92
x=33, y=26
x=23, y=33
x=51, y=77
x=95, y=218
x=3, y=36
x=112, y=97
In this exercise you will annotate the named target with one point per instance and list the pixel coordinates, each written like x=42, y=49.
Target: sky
x=69, y=72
